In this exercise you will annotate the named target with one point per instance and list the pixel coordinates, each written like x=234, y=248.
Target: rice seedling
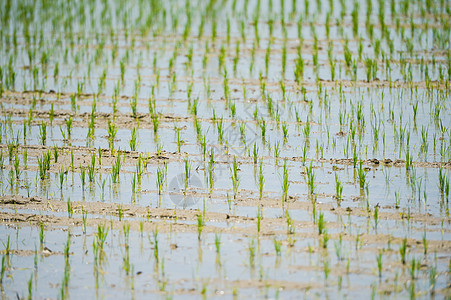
x=261, y=181
x=160, y=180
x=156, y=253
x=259, y=219
x=115, y=169
x=403, y=251
x=361, y=175
x=132, y=141
x=92, y=168
x=200, y=225
x=70, y=208
x=338, y=189
x=251, y=249
x=413, y=267
x=376, y=216
x=7, y=246
x=321, y=224
x=82, y=177
x=43, y=133
x=379, y=263
x=211, y=171
x=112, y=131
x=285, y=182
x=84, y=217
x=255, y=153
x=277, y=247
x=218, y=243
x=188, y=167
x=235, y=177
x=310, y=179
x=3, y=270
x=425, y=243
x=44, y=165
x=432, y=279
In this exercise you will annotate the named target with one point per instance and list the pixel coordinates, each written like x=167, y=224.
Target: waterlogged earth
x=225, y=149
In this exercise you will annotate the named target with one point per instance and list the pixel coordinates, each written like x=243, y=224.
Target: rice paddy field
x=225, y=149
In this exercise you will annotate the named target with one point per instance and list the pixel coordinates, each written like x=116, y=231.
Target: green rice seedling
x=41, y=234
x=2, y=159
x=44, y=165
x=259, y=219
x=102, y=189
x=285, y=182
x=43, y=133
x=290, y=224
x=304, y=152
x=229, y=202
x=338, y=189
x=263, y=128
x=132, y=141
x=112, y=131
x=251, y=249
x=362, y=176
x=92, y=168
x=425, y=243
x=325, y=239
x=115, y=169
x=277, y=247
x=133, y=105
x=188, y=167
x=99, y=155
x=243, y=133
x=432, y=279
x=220, y=127
x=3, y=270
x=443, y=181
x=403, y=251
x=235, y=177
x=277, y=149
x=413, y=267
x=155, y=247
x=17, y=170
x=51, y=114
x=133, y=183
x=379, y=263
x=211, y=171
x=70, y=208
x=376, y=216
x=397, y=200
x=62, y=174
x=11, y=150
x=30, y=287
x=310, y=179
x=69, y=127
x=179, y=140
x=84, y=217
x=261, y=181
x=326, y=267
x=355, y=157
x=55, y=153
x=7, y=246
x=218, y=243
x=200, y=225
x=82, y=177
x=255, y=153
x=338, y=248
x=321, y=223
x=160, y=180
x=285, y=131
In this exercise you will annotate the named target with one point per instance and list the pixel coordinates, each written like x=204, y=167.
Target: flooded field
x=225, y=149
